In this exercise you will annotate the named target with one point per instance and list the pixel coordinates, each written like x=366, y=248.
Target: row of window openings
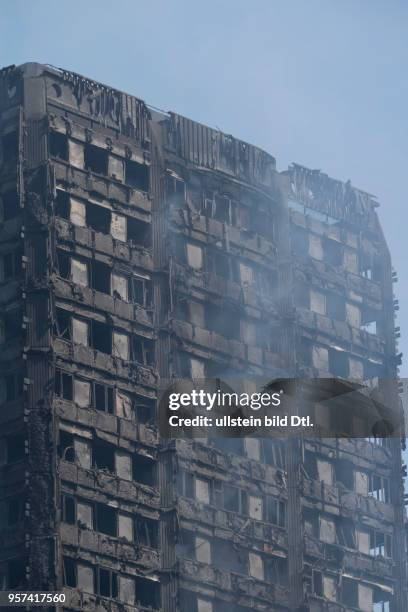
x=336, y=307
x=342, y=472
x=267, y=509
x=90, y=394
x=351, y=593
x=190, y=602
x=103, y=220
x=100, y=277
x=9, y=146
x=218, y=263
x=229, y=324
x=334, y=253
x=222, y=208
x=107, y=583
x=338, y=362
x=100, y=455
x=99, y=160
x=228, y=556
x=109, y=521
x=344, y=532
x=102, y=337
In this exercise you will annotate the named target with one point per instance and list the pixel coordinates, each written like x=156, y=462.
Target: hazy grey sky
x=320, y=82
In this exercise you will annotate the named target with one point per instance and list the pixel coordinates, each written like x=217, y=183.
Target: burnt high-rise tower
x=137, y=246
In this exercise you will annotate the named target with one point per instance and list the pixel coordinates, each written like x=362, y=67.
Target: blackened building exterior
x=138, y=246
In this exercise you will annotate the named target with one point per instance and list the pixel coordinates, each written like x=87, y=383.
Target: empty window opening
x=137, y=175
x=317, y=583
x=221, y=265
x=103, y=456
x=11, y=205
x=336, y=306
x=63, y=324
x=382, y=601
x=273, y=452
x=141, y=291
x=69, y=569
x=66, y=448
x=185, y=544
x=345, y=473
x=98, y=218
x=300, y=241
x=231, y=498
x=96, y=159
x=175, y=190
x=106, y=520
x=58, y=144
x=338, y=363
x=101, y=277
x=139, y=232
x=63, y=385
x=101, y=337
x=275, y=511
x=143, y=350
x=380, y=544
x=62, y=204
x=68, y=514
x=147, y=531
x=103, y=398
x=346, y=533
x=64, y=264
x=349, y=595
x=229, y=557
x=276, y=570
x=144, y=470
x=379, y=488
x=333, y=252
x=147, y=593
x=107, y=583
x=185, y=484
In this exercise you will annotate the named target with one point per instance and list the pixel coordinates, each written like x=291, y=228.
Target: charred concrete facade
x=138, y=246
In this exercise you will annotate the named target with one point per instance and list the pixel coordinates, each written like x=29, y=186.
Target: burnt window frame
x=142, y=182
x=385, y=485
x=58, y=145
x=67, y=499
x=113, y=582
x=100, y=164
